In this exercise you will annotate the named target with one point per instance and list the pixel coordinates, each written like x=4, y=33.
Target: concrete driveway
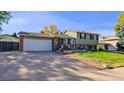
x=50, y=66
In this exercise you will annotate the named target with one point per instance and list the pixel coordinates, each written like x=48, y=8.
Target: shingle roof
x=34, y=34
x=8, y=38
x=109, y=39
x=63, y=36
x=81, y=32
x=43, y=35
x=105, y=41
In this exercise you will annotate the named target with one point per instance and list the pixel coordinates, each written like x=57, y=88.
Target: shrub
x=100, y=49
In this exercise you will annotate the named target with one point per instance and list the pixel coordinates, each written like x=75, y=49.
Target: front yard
x=43, y=66
x=106, y=58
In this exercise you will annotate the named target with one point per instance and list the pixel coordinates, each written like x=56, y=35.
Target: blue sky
x=95, y=21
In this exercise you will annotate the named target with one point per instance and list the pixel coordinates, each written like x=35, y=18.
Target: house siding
x=71, y=33
x=86, y=41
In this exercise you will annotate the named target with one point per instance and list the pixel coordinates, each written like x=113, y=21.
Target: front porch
x=65, y=43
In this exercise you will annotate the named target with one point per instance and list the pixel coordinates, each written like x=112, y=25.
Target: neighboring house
x=84, y=40
x=8, y=43
x=108, y=43
x=30, y=41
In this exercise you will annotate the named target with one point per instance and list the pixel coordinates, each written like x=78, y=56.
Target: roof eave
x=37, y=36
x=81, y=32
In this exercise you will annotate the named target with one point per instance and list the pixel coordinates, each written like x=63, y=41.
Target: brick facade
x=21, y=42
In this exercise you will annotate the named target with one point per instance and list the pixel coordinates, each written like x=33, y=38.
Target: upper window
x=82, y=36
x=97, y=37
x=91, y=36
x=85, y=36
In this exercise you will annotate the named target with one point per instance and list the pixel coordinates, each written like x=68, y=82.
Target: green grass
x=108, y=58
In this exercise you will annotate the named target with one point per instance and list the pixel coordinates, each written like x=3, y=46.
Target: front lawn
x=109, y=58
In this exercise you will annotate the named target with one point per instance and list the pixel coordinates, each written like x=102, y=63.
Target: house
x=8, y=42
x=30, y=41
x=108, y=43
x=84, y=40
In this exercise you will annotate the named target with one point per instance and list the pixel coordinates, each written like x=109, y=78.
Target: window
x=97, y=37
x=69, y=41
x=85, y=36
x=91, y=36
x=82, y=36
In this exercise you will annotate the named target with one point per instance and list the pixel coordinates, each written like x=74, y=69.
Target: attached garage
x=37, y=44
x=108, y=43
x=31, y=41
x=111, y=47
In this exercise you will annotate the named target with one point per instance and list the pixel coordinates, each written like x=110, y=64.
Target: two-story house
x=84, y=40
x=31, y=41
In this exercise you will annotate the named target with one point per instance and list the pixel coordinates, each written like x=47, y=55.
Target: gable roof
x=34, y=34
x=8, y=38
x=49, y=35
x=63, y=36
x=109, y=39
x=105, y=41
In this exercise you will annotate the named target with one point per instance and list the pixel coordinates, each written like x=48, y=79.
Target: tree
x=53, y=29
x=14, y=35
x=119, y=28
x=4, y=18
x=121, y=18
x=45, y=30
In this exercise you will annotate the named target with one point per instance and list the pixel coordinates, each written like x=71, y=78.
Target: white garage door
x=37, y=45
x=112, y=48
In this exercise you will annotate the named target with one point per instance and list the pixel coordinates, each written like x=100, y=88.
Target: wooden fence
x=8, y=46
